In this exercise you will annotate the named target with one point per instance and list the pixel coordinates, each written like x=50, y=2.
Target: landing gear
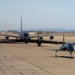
x=56, y=53
x=71, y=55
x=39, y=41
x=26, y=41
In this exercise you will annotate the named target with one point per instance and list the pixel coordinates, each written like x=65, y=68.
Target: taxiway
x=29, y=59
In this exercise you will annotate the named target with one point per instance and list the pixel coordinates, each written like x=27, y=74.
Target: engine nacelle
x=39, y=40
x=51, y=38
x=7, y=38
x=63, y=48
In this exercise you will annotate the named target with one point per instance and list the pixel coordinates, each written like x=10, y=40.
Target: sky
x=37, y=14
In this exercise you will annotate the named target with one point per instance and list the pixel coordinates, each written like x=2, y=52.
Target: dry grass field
x=29, y=59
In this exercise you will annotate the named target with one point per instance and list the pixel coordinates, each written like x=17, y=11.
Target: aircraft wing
x=9, y=35
x=14, y=31
x=38, y=36
x=32, y=36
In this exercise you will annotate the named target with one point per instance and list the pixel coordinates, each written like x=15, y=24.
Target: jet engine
x=63, y=48
x=51, y=38
x=7, y=38
x=39, y=40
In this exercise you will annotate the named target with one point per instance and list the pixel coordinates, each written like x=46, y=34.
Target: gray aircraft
x=65, y=47
x=23, y=35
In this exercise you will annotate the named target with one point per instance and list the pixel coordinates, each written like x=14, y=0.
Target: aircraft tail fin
x=21, y=24
x=63, y=39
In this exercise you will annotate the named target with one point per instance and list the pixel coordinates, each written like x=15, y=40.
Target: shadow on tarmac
x=62, y=57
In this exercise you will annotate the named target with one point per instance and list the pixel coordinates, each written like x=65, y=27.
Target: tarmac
x=29, y=59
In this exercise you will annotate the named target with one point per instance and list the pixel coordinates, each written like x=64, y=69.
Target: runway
x=29, y=59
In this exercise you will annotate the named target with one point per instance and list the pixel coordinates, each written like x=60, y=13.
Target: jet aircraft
x=23, y=35
x=68, y=46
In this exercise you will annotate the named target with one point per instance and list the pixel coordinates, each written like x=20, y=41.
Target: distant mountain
x=54, y=29
x=48, y=29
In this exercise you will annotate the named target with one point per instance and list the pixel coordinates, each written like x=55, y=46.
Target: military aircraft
x=68, y=46
x=23, y=35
